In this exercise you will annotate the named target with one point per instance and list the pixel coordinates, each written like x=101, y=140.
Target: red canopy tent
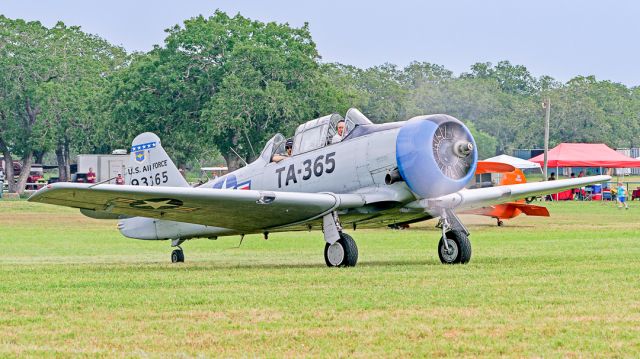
x=585, y=155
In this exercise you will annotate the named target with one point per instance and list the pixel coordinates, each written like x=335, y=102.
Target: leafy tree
x=478, y=101
x=24, y=66
x=227, y=83
x=221, y=84
x=513, y=79
x=417, y=74
x=486, y=143
x=587, y=110
x=384, y=94
x=51, y=81
x=71, y=101
x=269, y=79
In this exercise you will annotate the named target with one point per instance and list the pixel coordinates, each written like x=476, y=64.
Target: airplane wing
x=481, y=197
x=243, y=210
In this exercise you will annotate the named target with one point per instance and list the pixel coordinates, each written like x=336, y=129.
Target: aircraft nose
x=436, y=155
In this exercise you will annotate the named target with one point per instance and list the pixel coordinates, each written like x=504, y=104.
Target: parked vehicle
x=104, y=166
x=79, y=177
x=36, y=175
x=17, y=166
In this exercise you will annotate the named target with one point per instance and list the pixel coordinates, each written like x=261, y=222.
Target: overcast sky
x=557, y=38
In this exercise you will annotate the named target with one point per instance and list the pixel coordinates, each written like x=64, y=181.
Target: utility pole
x=547, y=106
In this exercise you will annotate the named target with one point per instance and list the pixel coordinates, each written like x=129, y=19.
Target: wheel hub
x=451, y=254
x=335, y=254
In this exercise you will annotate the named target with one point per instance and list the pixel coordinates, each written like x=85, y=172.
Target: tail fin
x=149, y=164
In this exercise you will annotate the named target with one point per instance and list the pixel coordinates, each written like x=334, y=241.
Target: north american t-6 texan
x=364, y=176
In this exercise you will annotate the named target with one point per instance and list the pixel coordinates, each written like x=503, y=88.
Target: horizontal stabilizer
x=531, y=210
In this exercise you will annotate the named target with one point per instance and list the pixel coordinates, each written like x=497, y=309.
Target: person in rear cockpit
x=340, y=126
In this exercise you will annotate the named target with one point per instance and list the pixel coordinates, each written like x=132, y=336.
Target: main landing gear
x=342, y=253
x=454, y=246
x=177, y=256
x=340, y=250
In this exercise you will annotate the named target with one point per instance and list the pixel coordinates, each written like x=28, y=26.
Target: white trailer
x=104, y=166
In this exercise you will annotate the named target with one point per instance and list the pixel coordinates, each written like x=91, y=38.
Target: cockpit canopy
x=355, y=117
x=319, y=132
x=315, y=134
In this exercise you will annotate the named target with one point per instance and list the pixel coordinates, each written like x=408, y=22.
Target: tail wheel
x=459, y=248
x=177, y=256
x=342, y=253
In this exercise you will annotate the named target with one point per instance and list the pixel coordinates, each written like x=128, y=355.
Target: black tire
x=460, y=248
x=343, y=253
x=177, y=256
x=500, y=223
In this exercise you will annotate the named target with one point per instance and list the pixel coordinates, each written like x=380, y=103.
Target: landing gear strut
x=340, y=249
x=177, y=256
x=454, y=246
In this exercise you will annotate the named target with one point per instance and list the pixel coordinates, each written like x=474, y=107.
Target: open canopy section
x=586, y=155
x=514, y=161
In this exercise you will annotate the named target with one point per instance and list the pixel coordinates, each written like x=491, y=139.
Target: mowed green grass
x=568, y=285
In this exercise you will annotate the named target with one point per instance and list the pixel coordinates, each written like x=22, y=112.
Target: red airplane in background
x=510, y=175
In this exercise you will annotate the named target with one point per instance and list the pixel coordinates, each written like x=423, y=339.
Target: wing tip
x=38, y=196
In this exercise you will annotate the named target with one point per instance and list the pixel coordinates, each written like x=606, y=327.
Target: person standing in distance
x=622, y=196
x=120, y=179
x=91, y=176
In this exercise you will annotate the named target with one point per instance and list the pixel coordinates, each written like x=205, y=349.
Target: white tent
x=635, y=171
x=514, y=161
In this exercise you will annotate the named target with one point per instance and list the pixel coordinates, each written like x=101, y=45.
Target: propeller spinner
x=452, y=150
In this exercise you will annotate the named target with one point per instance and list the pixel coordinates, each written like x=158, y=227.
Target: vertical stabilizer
x=149, y=164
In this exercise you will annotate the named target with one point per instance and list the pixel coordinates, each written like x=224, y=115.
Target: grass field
x=564, y=286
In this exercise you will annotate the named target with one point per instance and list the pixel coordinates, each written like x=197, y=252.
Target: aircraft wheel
x=177, y=256
x=500, y=223
x=459, y=248
x=343, y=253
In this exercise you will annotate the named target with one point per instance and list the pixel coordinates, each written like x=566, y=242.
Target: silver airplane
x=368, y=175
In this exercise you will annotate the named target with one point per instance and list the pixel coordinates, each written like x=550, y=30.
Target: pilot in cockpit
x=288, y=147
x=340, y=126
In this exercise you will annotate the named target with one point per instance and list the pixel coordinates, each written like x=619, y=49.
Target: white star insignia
x=156, y=205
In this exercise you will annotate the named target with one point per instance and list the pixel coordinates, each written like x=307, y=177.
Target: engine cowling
x=436, y=155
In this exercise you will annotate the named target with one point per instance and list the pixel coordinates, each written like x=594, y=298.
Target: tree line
x=223, y=83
